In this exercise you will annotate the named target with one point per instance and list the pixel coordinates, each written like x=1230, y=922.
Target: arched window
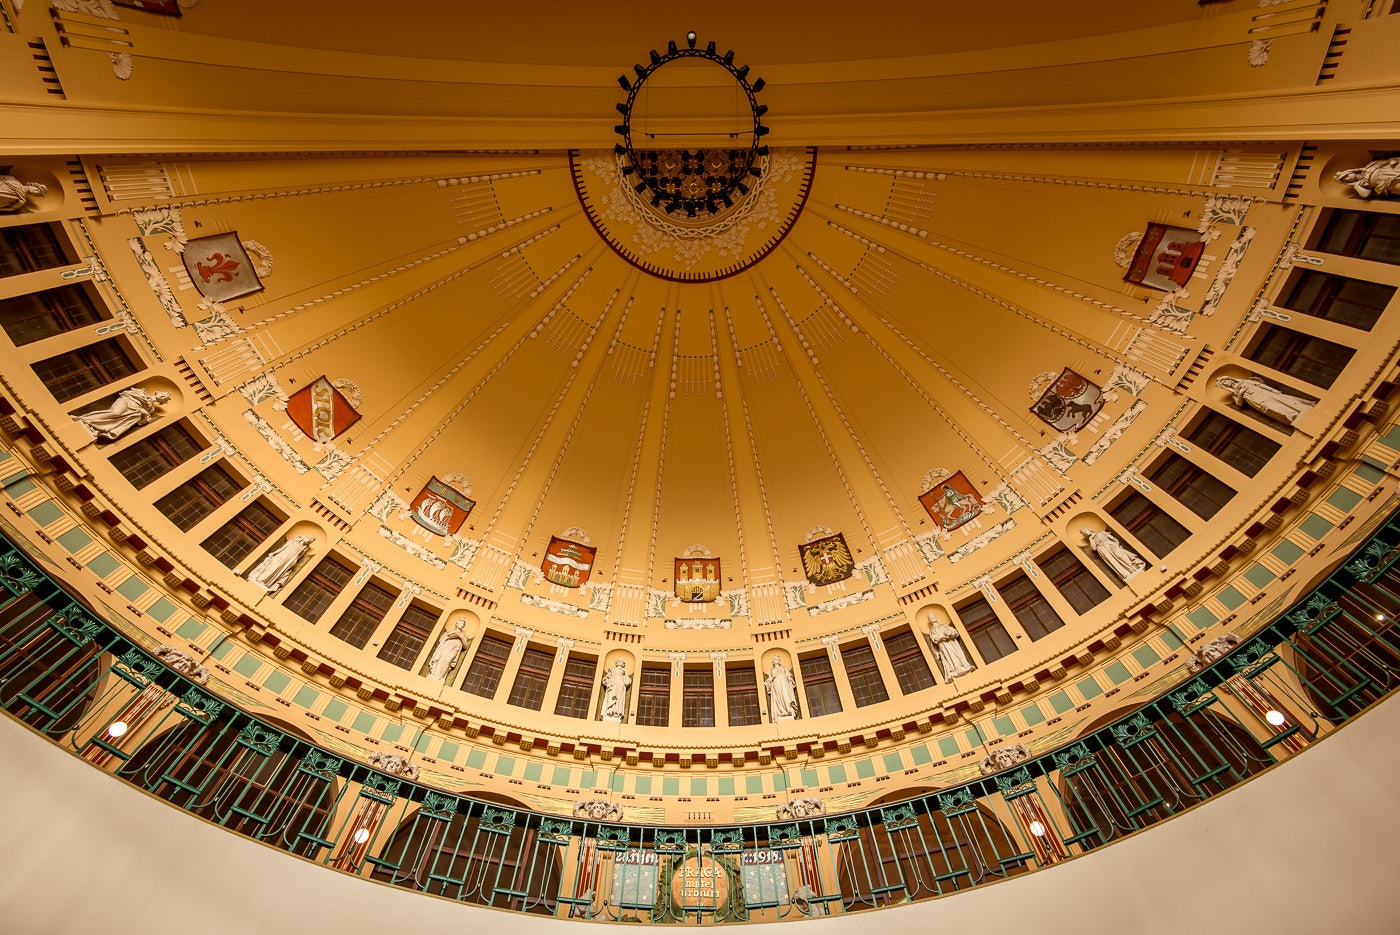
x=476, y=852
x=1353, y=658
x=1151, y=771
x=913, y=849
x=49, y=664
x=249, y=777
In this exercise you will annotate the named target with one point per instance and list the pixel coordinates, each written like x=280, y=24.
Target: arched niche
x=246, y=776
x=476, y=851
x=459, y=619
x=165, y=413
x=1151, y=770
x=1074, y=537
x=1280, y=415
x=911, y=849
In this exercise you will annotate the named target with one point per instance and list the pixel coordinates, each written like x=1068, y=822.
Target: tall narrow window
x=863, y=673
x=84, y=370
x=484, y=674
x=408, y=636
x=29, y=248
x=654, y=696
x=1353, y=302
x=38, y=315
x=1198, y=490
x=1242, y=448
x=698, y=698
x=152, y=457
x=319, y=589
x=232, y=541
x=1299, y=355
x=1029, y=606
x=199, y=496
x=907, y=659
x=576, y=688
x=741, y=694
x=1149, y=524
x=1367, y=235
x=986, y=630
x=1075, y=583
x=819, y=684
x=531, y=679
x=364, y=615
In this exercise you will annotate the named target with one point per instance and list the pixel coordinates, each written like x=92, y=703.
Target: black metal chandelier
x=692, y=181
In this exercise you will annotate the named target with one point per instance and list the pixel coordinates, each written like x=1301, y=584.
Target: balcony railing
x=1242, y=705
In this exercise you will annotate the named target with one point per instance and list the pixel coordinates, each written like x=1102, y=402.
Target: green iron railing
x=75, y=678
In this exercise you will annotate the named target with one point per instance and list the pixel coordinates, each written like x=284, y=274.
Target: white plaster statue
x=1380, y=177
x=782, y=692
x=952, y=658
x=449, y=649
x=1120, y=558
x=131, y=408
x=14, y=194
x=1261, y=397
x=277, y=566
x=615, y=682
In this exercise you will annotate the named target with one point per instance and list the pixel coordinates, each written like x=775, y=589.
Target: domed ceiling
x=904, y=364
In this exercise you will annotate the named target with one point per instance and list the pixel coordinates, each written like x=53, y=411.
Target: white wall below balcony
x=1306, y=848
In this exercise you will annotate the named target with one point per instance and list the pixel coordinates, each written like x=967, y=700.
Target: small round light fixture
x=707, y=180
x=1276, y=718
x=360, y=836
x=116, y=729
x=1037, y=829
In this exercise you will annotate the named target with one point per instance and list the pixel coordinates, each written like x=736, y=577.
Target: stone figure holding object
x=1120, y=558
x=15, y=194
x=277, y=566
x=947, y=647
x=449, y=649
x=782, y=692
x=1261, y=397
x=615, y=682
x=1380, y=177
x=131, y=408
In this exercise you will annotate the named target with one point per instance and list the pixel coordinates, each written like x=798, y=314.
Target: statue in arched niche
x=1255, y=394
x=15, y=193
x=131, y=408
x=947, y=647
x=1116, y=555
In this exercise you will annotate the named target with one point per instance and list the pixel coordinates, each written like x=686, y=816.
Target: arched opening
x=475, y=851
x=246, y=776
x=1151, y=771
x=49, y=664
x=1353, y=659
x=912, y=846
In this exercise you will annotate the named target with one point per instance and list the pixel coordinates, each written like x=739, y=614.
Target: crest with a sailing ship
x=441, y=508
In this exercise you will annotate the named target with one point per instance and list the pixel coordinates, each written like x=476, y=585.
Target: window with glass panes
x=1072, y=579
x=199, y=496
x=1030, y=608
x=1241, y=447
x=149, y=458
x=863, y=674
x=233, y=541
x=484, y=674
x=1353, y=302
x=907, y=659
x=364, y=615
x=985, y=629
x=1367, y=235
x=1197, y=489
x=531, y=678
x=819, y=686
x=1149, y=523
x=576, y=688
x=1311, y=359
x=319, y=589
x=28, y=248
x=38, y=315
x=86, y=369
x=654, y=696
x=406, y=640
x=741, y=695
x=698, y=697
